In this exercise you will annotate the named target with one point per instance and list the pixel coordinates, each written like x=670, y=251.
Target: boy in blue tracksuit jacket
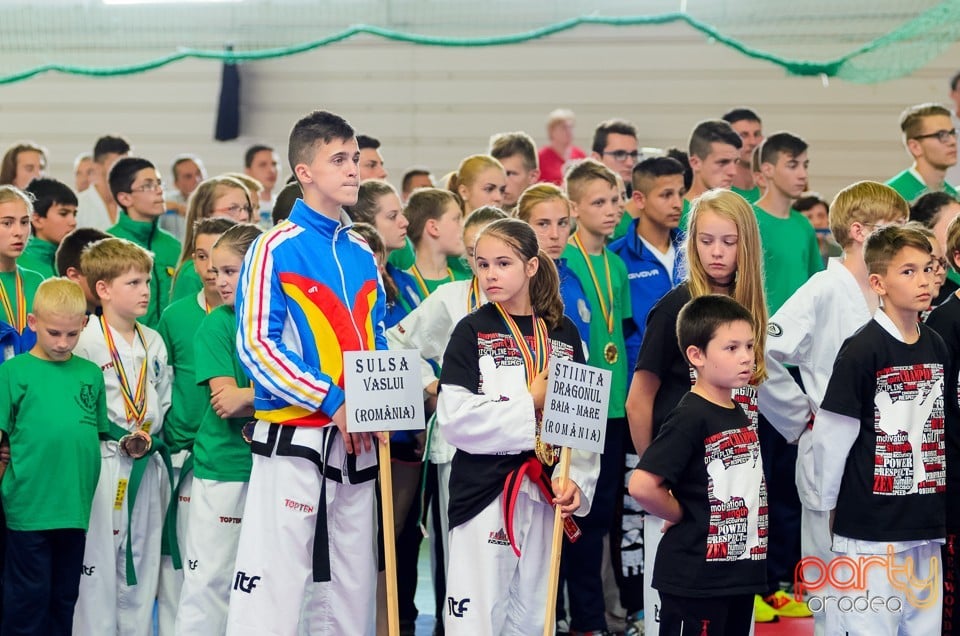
x=651, y=247
x=309, y=291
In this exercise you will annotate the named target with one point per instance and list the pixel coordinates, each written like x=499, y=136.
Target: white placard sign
x=575, y=409
x=383, y=391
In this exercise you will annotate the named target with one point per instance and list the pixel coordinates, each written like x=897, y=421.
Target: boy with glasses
x=136, y=185
x=930, y=137
x=615, y=146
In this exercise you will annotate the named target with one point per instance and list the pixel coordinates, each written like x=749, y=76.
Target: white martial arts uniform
x=171, y=578
x=92, y=211
x=490, y=588
x=107, y=603
x=427, y=329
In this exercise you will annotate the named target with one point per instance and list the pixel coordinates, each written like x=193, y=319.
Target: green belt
x=168, y=541
x=169, y=544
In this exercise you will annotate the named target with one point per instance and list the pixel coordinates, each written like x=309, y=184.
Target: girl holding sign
x=492, y=390
x=724, y=257
x=221, y=452
x=427, y=329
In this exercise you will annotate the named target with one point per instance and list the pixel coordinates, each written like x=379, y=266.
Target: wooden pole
x=549, y=624
x=389, y=542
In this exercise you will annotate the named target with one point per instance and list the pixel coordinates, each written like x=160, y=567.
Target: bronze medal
x=610, y=353
x=247, y=431
x=136, y=444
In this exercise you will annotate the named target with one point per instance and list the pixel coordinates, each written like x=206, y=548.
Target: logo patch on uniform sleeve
x=773, y=329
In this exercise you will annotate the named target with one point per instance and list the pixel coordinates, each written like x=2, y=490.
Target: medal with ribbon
x=610, y=352
x=16, y=316
x=534, y=362
x=134, y=398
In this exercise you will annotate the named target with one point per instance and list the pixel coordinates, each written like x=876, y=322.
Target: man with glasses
x=615, y=146
x=136, y=186
x=931, y=138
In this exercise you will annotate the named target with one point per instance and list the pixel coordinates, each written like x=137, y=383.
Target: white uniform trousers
x=107, y=605
x=171, y=579
x=273, y=578
x=209, y=554
x=490, y=590
x=898, y=614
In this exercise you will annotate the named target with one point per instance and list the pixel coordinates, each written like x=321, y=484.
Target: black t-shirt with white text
x=476, y=480
x=709, y=456
x=894, y=479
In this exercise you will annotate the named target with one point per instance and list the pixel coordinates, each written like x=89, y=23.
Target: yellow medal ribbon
x=610, y=352
x=534, y=362
x=134, y=400
x=422, y=284
x=473, y=298
x=16, y=318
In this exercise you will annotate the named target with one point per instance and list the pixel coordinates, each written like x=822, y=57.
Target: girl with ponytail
x=492, y=389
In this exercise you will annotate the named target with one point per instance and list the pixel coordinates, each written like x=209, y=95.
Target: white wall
x=434, y=106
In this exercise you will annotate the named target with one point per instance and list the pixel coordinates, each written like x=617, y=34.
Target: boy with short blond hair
x=123, y=550
x=833, y=304
x=54, y=463
x=878, y=446
x=593, y=191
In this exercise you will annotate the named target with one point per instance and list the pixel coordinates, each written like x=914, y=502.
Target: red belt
x=533, y=469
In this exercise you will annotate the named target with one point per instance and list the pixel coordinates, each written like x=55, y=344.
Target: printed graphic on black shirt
x=498, y=352
x=737, y=494
x=909, y=423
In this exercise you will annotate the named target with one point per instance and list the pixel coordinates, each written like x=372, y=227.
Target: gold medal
x=610, y=353
x=545, y=452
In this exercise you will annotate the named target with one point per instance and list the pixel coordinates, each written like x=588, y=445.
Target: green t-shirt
x=220, y=452
x=684, y=216
x=622, y=227
x=166, y=253
x=405, y=257
x=433, y=283
x=39, y=257
x=752, y=195
x=791, y=255
x=622, y=310
x=54, y=443
x=31, y=280
x=186, y=283
x=178, y=327
x=911, y=188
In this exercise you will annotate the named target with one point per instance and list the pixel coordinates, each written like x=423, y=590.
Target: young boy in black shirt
x=703, y=475
x=879, y=450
